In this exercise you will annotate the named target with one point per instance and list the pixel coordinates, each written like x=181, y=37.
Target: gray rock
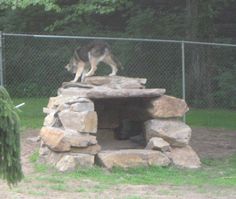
x=131, y=158
x=79, y=121
x=159, y=144
x=174, y=132
x=83, y=104
x=50, y=120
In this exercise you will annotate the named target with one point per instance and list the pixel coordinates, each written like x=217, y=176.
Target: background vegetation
x=210, y=71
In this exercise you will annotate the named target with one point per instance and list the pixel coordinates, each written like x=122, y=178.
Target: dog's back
x=96, y=48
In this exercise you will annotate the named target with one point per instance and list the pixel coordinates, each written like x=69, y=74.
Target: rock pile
x=69, y=134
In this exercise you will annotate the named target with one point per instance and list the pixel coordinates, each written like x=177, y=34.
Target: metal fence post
x=183, y=73
x=1, y=60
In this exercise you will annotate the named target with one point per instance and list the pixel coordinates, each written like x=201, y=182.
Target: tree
x=10, y=166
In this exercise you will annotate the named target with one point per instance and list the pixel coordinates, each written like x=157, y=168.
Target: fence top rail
x=118, y=39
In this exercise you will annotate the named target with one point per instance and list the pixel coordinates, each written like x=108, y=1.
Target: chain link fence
x=203, y=73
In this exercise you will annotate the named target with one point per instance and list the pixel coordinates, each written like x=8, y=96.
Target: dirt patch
x=213, y=143
x=208, y=143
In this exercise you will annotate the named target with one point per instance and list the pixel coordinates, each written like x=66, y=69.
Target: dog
x=92, y=54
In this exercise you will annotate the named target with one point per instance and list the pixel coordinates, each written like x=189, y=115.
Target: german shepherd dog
x=91, y=54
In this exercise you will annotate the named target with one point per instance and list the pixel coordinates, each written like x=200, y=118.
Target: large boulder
x=175, y=132
x=54, y=139
x=131, y=158
x=185, y=157
x=167, y=107
x=70, y=162
x=85, y=121
x=62, y=140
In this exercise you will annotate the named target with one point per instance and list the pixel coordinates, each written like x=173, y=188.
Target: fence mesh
x=34, y=67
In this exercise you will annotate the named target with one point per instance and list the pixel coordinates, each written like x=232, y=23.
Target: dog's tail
x=117, y=61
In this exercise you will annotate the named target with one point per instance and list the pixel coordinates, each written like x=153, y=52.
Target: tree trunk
x=194, y=69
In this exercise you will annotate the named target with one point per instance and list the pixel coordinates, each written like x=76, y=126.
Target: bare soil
x=208, y=143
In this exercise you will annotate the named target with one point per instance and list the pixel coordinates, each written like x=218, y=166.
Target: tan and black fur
x=91, y=54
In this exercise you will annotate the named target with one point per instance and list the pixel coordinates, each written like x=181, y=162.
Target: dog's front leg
x=80, y=68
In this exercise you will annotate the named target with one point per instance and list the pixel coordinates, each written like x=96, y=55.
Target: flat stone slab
x=101, y=92
x=131, y=158
x=114, y=82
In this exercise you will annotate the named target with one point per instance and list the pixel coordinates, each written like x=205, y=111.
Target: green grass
x=214, y=172
x=31, y=114
x=215, y=118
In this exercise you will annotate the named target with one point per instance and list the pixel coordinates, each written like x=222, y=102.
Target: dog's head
x=72, y=65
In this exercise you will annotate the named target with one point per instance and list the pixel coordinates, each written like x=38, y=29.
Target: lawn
x=216, y=174
x=212, y=118
x=31, y=114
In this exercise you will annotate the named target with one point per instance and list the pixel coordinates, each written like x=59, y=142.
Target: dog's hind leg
x=80, y=68
x=84, y=73
x=93, y=62
x=109, y=61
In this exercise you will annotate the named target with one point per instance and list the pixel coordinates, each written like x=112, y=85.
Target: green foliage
x=48, y=4
x=10, y=166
